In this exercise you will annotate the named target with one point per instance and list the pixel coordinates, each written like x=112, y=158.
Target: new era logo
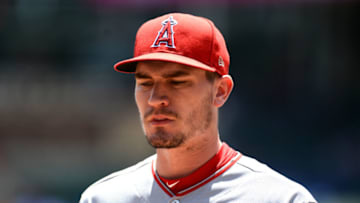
x=221, y=62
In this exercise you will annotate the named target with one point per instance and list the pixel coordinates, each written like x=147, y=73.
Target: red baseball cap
x=179, y=38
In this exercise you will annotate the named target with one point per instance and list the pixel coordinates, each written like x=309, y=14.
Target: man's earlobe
x=223, y=89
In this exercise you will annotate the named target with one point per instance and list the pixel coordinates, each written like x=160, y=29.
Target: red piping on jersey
x=217, y=165
x=161, y=184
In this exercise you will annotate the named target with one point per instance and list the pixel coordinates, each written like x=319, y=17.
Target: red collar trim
x=217, y=165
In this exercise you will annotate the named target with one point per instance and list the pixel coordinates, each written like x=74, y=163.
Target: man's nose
x=158, y=96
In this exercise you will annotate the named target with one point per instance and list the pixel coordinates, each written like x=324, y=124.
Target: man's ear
x=223, y=88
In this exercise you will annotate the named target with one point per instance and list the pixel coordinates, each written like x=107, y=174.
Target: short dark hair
x=211, y=76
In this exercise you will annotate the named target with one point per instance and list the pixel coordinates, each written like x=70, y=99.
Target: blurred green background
x=67, y=118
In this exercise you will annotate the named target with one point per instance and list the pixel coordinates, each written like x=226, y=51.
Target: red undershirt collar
x=218, y=164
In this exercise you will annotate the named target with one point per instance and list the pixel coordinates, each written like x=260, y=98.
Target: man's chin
x=162, y=140
x=165, y=144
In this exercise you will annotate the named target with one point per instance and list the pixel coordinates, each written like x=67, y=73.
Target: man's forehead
x=164, y=69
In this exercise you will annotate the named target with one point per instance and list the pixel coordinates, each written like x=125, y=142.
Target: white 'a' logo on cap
x=166, y=34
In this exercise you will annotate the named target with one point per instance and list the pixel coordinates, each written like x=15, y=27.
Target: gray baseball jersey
x=238, y=179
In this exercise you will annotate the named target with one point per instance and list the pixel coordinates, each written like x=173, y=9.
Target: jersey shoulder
x=269, y=184
x=121, y=181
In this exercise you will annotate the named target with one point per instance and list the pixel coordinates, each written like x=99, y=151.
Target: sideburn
x=204, y=112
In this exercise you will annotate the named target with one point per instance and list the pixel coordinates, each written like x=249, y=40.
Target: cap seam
x=212, y=42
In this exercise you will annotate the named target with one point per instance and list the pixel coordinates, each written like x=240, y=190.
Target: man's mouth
x=158, y=120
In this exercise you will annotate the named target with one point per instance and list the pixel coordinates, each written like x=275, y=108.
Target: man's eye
x=146, y=84
x=178, y=82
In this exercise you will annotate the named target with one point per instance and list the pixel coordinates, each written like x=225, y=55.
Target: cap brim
x=129, y=65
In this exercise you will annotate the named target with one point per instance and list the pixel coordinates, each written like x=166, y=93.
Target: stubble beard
x=162, y=139
x=198, y=121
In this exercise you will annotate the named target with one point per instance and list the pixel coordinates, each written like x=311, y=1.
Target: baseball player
x=181, y=68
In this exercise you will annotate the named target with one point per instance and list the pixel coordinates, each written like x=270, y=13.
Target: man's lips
x=160, y=119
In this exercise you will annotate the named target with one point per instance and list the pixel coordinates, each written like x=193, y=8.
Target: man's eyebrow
x=176, y=74
x=179, y=73
x=142, y=76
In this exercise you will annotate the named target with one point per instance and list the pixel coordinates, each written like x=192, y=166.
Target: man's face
x=175, y=102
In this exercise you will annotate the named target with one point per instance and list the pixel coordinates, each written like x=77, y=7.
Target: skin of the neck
x=181, y=161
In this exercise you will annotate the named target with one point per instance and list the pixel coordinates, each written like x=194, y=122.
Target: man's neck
x=182, y=161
